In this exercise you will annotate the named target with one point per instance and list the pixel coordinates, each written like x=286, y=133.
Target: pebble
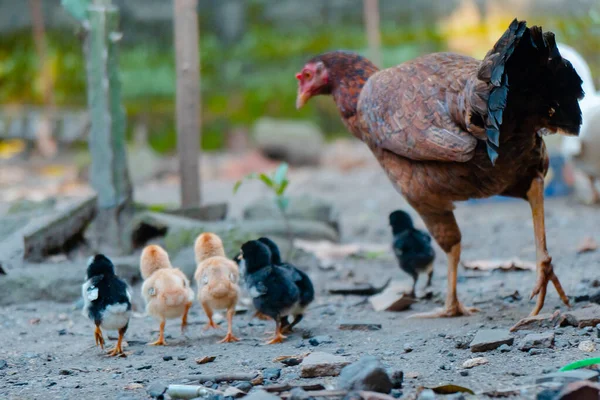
x=261, y=395
x=490, y=339
x=244, y=386
x=407, y=347
x=62, y=332
x=3, y=364
x=208, y=384
x=182, y=357
x=474, y=362
x=65, y=372
x=587, y=346
x=271, y=374
x=298, y=394
x=167, y=358
x=535, y=352
x=505, y=348
x=359, y=326
x=144, y=367
x=319, y=364
x=397, y=378
x=366, y=374
x=427, y=394
x=537, y=341
x=598, y=331
x=317, y=340
x=464, y=373
x=245, y=363
x=156, y=390
x=586, y=316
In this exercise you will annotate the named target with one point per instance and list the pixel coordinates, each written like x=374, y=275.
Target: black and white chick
x=300, y=278
x=412, y=248
x=106, y=301
x=272, y=289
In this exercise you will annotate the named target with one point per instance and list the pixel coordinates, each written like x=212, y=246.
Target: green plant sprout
x=277, y=182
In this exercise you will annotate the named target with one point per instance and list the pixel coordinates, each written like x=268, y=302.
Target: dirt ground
x=47, y=348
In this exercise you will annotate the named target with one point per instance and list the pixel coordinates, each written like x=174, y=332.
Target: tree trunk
x=188, y=99
x=371, y=11
x=45, y=142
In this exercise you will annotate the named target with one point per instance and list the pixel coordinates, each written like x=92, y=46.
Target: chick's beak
x=301, y=99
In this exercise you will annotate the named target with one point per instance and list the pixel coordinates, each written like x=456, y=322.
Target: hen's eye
x=307, y=75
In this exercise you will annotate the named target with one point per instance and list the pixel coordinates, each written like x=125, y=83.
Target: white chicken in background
x=583, y=151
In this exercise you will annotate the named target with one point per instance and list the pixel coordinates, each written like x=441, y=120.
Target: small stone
x=391, y=300
x=245, y=363
x=474, y=362
x=586, y=316
x=167, y=358
x=582, y=390
x=261, y=395
x=464, y=373
x=144, y=367
x=62, y=332
x=505, y=348
x=598, y=331
x=569, y=376
x=407, y=347
x=537, y=341
x=535, y=352
x=133, y=386
x=588, y=346
x=319, y=364
x=537, y=322
x=397, y=378
x=490, y=339
x=397, y=393
x=181, y=357
x=366, y=374
x=317, y=340
x=244, y=386
x=205, y=360
x=462, y=343
x=271, y=374
x=359, y=326
x=209, y=384
x=427, y=394
x=156, y=390
x=299, y=394
x=65, y=372
x=3, y=364
x=444, y=367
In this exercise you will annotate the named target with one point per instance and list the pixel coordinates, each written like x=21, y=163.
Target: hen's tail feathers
x=526, y=77
x=174, y=297
x=221, y=289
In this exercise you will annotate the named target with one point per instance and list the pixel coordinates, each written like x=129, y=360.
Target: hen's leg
x=545, y=271
x=444, y=229
x=161, y=335
x=209, y=314
x=184, y=319
x=229, y=338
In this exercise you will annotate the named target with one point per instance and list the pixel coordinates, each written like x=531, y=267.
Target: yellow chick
x=217, y=278
x=166, y=290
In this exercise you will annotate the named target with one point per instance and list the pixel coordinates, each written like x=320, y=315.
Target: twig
x=225, y=377
x=287, y=387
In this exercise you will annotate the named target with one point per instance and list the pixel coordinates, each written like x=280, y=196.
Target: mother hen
x=447, y=127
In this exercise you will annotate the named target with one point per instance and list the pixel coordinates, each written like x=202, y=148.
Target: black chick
x=272, y=289
x=107, y=301
x=412, y=248
x=300, y=278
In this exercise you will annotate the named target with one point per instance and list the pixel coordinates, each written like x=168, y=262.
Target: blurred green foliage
x=241, y=82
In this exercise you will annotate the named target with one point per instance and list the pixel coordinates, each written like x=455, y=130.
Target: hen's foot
x=211, y=325
x=545, y=275
x=159, y=342
x=456, y=309
x=287, y=329
x=261, y=316
x=278, y=338
x=230, y=338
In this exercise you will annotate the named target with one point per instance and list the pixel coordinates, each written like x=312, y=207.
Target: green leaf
x=279, y=176
x=580, y=364
x=283, y=203
x=282, y=187
x=267, y=180
x=77, y=8
x=237, y=186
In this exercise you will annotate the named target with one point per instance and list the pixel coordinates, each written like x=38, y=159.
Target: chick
x=106, y=301
x=272, y=289
x=412, y=248
x=300, y=278
x=217, y=278
x=239, y=260
x=166, y=290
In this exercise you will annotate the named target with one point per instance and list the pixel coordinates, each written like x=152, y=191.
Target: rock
x=322, y=364
x=537, y=341
x=181, y=357
x=317, y=340
x=588, y=346
x=297, y=142
x=391, y=300
x=505, y=348
x=3, y=364
x=359, y=326
x=598, y=331
x=535, y=352
x=407, y=347
x=570, y=376
x=464, y=373
x=427, y=394
x=582, y=390
x=206, y=212
x=586, y=316
x=261, y=395
x=299, y=394
x=304, y=207
x=474, y=362
x=366, y=374
x=167, y=358
x=490, y=339
x=244, y=386
x=156, y=390
x=397, y=378
x=537, y=322
x=271, y=374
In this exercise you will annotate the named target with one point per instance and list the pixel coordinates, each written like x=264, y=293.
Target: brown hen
x=447, y=127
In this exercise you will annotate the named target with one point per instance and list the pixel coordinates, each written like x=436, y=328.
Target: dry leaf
x=451, y=389
x=587, y=245
x=205, y=360
x=504, y=265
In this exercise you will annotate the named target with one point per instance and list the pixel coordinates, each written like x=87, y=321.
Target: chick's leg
x=118, y=350
x=184, y=319
x=595, y=195
x=545, y=271
x=161, y=336
x=444, y=229
x=229, y=338
x=278, y=338
x=261, y=316
x=209, y=314
x=98, y=337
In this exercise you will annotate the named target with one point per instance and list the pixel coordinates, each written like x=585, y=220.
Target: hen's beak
x=301, y=99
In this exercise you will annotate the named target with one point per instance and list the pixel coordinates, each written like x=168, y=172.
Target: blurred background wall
x=250, y=50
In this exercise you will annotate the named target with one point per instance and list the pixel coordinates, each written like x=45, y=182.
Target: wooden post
x=371, y=11
x=45, y=142
x=187, y=60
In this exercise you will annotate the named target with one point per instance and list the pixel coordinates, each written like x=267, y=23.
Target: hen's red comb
x=299, y=76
